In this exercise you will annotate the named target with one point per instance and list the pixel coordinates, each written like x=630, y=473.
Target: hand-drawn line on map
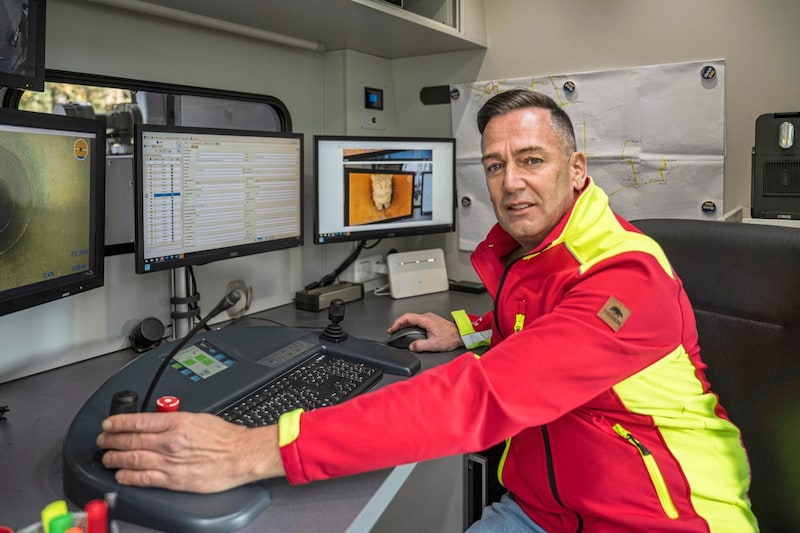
x=631, y=163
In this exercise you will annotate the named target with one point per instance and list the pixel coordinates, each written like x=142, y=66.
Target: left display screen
x=203, y=195
x=51, y=207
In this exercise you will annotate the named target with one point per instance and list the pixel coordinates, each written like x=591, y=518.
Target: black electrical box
x=775, y=189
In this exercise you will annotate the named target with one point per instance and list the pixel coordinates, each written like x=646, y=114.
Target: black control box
x=475, y=287
x=321, y=297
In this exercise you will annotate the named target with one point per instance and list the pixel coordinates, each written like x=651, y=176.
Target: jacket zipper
x=497, y=299
x=656, y=477
x=497, y=304
x=519, y=321
x=551, y=476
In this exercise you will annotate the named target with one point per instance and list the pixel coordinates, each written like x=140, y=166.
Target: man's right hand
x=194, y=452
x=442, y=334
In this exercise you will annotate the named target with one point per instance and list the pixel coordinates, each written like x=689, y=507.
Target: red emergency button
x=167, y=404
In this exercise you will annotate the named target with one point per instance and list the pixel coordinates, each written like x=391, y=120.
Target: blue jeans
x=504, y=516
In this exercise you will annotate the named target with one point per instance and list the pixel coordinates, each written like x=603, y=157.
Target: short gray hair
x=514, y=99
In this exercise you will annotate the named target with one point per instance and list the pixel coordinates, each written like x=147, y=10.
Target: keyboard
x=321, y=380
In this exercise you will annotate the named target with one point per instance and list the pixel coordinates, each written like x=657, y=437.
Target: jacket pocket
x=656, y=477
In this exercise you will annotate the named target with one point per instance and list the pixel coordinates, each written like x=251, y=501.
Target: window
x=102, y=99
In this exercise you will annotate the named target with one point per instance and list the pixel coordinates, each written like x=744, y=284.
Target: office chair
x=743, y=281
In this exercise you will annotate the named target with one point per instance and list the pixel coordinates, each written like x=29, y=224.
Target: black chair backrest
x=744, y=284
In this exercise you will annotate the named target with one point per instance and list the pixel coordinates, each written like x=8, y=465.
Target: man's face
x=532, y=182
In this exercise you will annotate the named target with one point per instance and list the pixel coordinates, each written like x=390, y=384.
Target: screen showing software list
x=210, y=191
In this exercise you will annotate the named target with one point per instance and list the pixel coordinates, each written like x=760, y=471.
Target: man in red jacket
x=593, y=376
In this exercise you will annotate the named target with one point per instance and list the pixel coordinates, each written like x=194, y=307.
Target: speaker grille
x=782, y=178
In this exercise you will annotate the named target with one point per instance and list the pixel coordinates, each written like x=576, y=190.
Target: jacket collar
x=590, y=204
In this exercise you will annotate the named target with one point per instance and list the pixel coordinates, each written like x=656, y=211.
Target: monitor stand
x=182, y=314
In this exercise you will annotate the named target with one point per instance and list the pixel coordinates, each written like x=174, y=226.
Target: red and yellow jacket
x=593, y=378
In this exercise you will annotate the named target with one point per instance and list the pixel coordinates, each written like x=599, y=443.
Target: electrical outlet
x=365, y=269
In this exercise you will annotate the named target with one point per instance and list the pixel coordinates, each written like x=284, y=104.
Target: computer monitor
x=22, y=44
x=203, y=195
x=379, y=187
x=51, y=207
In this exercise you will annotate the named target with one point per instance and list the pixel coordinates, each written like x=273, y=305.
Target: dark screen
x=22, y=44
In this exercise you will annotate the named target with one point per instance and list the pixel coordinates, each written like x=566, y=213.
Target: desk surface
x=42, y=407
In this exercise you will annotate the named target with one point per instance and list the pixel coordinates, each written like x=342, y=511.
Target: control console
x=213, y=371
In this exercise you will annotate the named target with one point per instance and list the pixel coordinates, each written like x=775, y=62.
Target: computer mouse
x=402, y=338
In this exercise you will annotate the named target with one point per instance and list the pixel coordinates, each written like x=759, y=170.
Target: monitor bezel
x=37, y=16
x=45, y=291
x=367, y=233
x=216, y=254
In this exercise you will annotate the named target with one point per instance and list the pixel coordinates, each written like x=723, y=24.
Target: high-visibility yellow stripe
x=289, y=427
x=642, y=393
x=584, y=245
x=502, y=463
x=463, y=323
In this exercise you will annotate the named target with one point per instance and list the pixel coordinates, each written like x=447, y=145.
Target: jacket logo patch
x=614, y=313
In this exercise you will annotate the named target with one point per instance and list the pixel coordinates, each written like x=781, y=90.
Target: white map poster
x=654, y=137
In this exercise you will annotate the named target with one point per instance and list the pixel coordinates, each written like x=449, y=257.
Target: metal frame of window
x=12, y=96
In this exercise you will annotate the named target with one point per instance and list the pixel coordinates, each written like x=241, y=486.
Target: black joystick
x=126, y=401
x=334, y=332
